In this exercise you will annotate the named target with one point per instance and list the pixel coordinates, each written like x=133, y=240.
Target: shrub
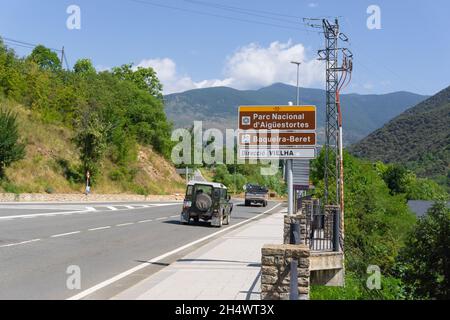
x=11, y=149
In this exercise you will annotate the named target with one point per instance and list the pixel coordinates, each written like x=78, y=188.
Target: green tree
x=10, y=148
x=84, y=66
x=144, y=78
x=424, y=263
x=395, y=177
x=91, y=141
x=45, y=58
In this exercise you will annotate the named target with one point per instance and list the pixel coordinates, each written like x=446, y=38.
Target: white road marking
x=100, y=228
x=64, y=234
x=163, y=218
x=144, y=221
x=164, y=204
x=87, y=210
x=28, y=216
x=124, y=224
x=105, y=283
x=175, y=216
x=19, y=243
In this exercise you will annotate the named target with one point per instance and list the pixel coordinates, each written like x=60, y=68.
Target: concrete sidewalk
x=228, y=268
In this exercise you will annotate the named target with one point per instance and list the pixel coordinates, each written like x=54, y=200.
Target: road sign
x=277, y=153
x=277, y=118
x=271, y=138
x=283, y=132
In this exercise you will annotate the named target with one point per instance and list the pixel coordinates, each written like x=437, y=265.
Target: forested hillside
x=419, y=138
x=109, y=123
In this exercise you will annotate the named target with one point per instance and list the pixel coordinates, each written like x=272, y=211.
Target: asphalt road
x=39, y=242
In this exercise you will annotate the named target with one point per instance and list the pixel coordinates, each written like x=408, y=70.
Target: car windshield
x=256, y=189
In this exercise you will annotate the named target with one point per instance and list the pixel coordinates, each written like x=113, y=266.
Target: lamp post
x=290, y=162
x=298, y=80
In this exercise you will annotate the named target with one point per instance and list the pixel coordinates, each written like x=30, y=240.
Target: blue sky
x=193, y=44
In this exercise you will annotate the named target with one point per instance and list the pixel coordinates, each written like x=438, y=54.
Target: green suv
x=207, y=201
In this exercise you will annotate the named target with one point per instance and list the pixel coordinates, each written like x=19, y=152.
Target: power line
x=25, y=44
x=245, y=9
x=28, y=45
x=217, y=15
x=251, y=12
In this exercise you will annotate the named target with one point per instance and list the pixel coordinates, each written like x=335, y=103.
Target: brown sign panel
x=277, y=118
x=262, y=138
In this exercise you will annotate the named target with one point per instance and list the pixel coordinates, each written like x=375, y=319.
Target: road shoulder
x=227, y=268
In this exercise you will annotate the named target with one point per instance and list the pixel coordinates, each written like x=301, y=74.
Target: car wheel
x=196, y=219
x=265, y=204
x=227, y=221
x=184, y=222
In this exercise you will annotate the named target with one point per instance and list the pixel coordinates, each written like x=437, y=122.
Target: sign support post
x=290, y=186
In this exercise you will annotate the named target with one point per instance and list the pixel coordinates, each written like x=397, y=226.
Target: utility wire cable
x=250, y=12
x=23, y=43
x=155, y=4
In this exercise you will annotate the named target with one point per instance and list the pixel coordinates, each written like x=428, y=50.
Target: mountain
x=419, y=138
x=217, y=107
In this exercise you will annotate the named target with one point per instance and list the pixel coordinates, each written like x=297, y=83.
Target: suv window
x=189, y=191
x=203, y=189
x=216, y=193
x=224, y=193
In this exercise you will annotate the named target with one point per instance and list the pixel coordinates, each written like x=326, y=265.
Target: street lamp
x=298, y=80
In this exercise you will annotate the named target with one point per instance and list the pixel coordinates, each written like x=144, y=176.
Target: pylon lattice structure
x=339, y=67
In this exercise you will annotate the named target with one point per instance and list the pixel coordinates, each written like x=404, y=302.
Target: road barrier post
x=336, y=230
x=294, y=239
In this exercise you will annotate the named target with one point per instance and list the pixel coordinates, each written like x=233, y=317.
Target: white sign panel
x=278, y=153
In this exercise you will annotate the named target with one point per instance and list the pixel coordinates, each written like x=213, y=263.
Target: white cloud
x=313, y=5
x=253, y=66
x=250, y=67
x=174, y=82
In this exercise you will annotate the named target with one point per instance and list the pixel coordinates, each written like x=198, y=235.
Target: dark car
x=207, y=201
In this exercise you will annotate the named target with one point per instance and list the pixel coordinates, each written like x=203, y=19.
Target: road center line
x=100, y=228
x=144, y=221
x=125, y=224
x=19, y=243
x=64, y=234
x=124, y=274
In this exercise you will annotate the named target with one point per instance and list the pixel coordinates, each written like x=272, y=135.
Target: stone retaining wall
x=275, y=271
x=38, y=197
x=300, y=219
